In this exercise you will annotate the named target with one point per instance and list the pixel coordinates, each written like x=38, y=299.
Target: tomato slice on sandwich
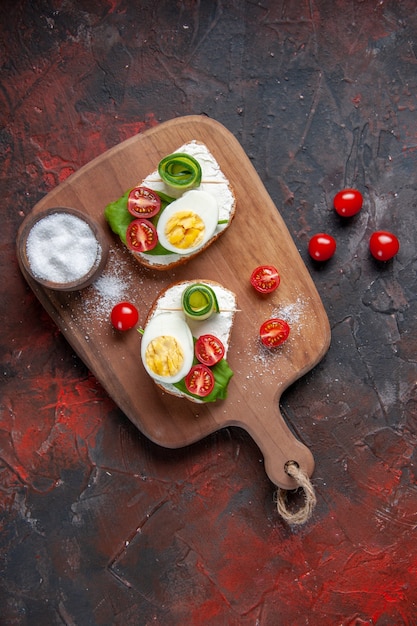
x=200, y=380
x=141, y=235
x=143, y=202
x=209, y=350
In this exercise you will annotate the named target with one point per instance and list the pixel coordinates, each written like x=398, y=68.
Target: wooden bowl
x=73, y=285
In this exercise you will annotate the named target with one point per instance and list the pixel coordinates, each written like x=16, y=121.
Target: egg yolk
x=185, y=229
x=164, y=356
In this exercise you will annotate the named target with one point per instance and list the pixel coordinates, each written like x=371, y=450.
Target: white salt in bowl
x=62, y=248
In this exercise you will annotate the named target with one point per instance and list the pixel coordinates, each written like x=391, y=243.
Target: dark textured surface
x=98, y=525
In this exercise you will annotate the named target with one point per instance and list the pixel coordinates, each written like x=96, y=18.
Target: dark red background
x=100, y=526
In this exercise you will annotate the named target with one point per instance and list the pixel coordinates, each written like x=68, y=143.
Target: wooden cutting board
x=257, y=236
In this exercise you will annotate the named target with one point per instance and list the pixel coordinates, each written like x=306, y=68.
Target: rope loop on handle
x=304, y=513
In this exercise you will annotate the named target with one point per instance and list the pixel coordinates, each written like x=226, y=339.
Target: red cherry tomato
x=348, y=202
x=274, y=332
x=124, y=316
x=141, y=235
x=143, y=202
x=265, y=278
x=322, y=247
x=383, y=245
x=209, y=350
x=200, y=380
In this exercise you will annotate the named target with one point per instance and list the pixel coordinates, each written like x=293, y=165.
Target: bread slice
x=214, y=182
x=219, y=324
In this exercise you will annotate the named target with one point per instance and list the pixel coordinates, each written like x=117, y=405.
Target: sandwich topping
x=167, y=347
x=180, y=171
x=189, y=222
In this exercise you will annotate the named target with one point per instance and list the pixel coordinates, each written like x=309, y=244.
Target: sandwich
x=186, y=338
x=177, y=211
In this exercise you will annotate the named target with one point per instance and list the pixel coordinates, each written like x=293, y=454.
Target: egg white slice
x=202, y=204
x=169, y=325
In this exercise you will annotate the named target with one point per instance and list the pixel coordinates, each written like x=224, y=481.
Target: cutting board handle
x=288, y=463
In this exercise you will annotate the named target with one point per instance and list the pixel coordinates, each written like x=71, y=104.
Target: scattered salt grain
x=291, y=313
x=110, y=288
x=115, y=284
x=61, y=248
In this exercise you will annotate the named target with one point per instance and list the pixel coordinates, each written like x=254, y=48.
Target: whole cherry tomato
x=383, y=245
x=124, y=316
x=322, y=247
x=348, y=202
x=274, y=332
x=265, y=278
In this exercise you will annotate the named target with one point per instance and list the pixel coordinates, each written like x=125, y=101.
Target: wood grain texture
x=257, y=236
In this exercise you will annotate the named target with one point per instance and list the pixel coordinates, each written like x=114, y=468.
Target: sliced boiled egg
x=189, y=222
x=167, y=348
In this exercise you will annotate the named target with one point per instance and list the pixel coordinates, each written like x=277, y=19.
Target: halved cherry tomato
x=265, y=278
x=321, y=247
x=209, y=350
x=348, y=202
x=124, y=316
x=274, y=332
x=141, y=235
x=143, y=202
x=200, y=380
x=383, y=245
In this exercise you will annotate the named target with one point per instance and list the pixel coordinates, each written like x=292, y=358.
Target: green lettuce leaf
x=118, y=217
